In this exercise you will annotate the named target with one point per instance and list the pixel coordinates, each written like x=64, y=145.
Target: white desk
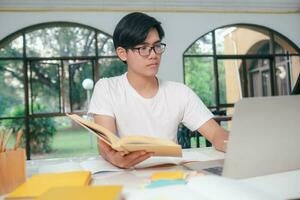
x=284, y=185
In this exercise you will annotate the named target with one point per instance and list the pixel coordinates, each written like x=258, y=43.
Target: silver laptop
x=264, y=138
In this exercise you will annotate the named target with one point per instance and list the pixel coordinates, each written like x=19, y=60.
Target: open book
x=94, y=165
x=131, y=143
x=191, y=158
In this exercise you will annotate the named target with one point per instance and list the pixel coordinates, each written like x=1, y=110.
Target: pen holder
x=12, y=170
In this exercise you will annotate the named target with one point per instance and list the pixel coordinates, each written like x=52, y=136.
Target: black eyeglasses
x=145, y=51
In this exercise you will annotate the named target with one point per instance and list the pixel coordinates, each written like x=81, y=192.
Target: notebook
x=264, y=138
x=40, y=183
x=111, y=192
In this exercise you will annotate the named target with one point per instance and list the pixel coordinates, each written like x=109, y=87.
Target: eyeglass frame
x=151, y=48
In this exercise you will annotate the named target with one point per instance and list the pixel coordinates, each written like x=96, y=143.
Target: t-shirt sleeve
x=195, y=112
x=101, y=103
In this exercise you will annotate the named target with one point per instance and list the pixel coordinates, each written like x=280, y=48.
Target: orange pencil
x=2, y=139
x=7, y=140
x=18, y=139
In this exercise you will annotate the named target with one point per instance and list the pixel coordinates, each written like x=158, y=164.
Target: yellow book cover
x=40, y=183
x=168, y=175
x=112, y=192
x=131, y=143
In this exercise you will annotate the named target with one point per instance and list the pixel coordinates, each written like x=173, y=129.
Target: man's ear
x=122, y=53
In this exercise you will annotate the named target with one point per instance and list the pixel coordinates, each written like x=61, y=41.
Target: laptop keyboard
x=215, y=170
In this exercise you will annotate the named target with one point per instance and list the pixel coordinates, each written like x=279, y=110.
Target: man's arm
x=214, y=133
x=117, y=158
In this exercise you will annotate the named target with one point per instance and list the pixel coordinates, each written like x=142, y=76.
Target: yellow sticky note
x=168, y=175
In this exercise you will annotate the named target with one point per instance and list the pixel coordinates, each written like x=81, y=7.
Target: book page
x=139, y=139
x=160, y=147
x=98, y=130
x=98, y=165
x=188, y=155
x=158, y=161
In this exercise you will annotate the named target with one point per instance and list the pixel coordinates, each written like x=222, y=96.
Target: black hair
x=133, y=29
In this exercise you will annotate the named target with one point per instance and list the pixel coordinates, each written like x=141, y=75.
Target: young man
x=137, y=102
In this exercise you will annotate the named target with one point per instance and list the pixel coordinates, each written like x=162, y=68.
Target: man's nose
x=152, y=52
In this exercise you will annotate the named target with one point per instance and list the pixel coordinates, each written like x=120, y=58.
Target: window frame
x=29, y=114
x=216, y=57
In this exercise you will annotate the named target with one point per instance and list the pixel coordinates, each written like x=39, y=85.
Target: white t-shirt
x=156, y=117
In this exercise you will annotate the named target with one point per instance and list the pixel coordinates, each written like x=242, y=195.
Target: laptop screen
x=264, y=137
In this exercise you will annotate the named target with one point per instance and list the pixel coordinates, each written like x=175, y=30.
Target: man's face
x=140, y=64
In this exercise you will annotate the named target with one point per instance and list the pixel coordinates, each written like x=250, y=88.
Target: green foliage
x=200, y=78
x=222, y=82
x=60, y=40
x=79, y=72
x=113, y=68
x=9, y=96
x=12, y=47
x=45, y=85
x=41, y=130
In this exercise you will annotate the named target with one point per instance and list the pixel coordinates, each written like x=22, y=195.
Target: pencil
x=7, y=140
x=18, y=140
x=2, y=139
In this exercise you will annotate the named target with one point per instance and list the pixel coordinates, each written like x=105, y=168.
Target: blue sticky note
x=161, y=183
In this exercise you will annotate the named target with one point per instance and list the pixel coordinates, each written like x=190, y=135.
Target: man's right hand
x=119, y=158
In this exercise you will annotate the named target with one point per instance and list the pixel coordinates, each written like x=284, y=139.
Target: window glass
x=11, y=88
x=204, y=46
x=244, y=56
x=230, y=71
x=61, y=137
x=80, y=71
x=294, y=64
x=109, y=67
x=259, y=77
x=13, y=125
x=286, y=47
x=60, y=41
x=199, y=76
x=44, y=86
x=240, y=40
x=59, y=58
x=105, y=45
x=12, y=48
x=287, y=72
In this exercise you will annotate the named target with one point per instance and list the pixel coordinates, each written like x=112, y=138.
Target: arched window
x=42, y=68
x=238, y=61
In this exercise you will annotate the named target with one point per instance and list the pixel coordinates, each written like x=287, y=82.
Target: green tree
x=10, y=93
x=200, y=78
x=113, y=67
